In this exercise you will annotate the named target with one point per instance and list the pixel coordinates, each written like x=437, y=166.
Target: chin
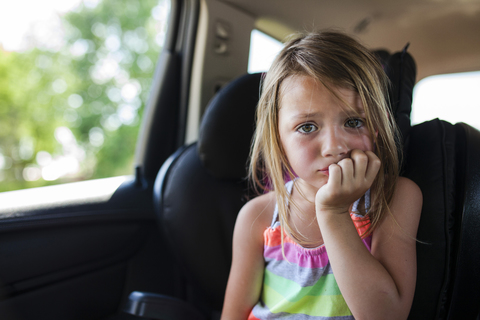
x=317, y=183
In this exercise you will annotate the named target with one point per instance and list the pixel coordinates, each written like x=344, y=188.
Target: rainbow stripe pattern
x=303, y=286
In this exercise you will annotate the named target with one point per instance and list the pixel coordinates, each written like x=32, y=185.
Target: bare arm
x=246, y=274
x=379, y=285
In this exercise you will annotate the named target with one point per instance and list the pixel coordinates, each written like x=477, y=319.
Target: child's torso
x=299, y=282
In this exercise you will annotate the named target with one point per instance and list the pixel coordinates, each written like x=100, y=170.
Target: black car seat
x=201, y=188
x=199, y=191
x=204, y=189
x=444, y=160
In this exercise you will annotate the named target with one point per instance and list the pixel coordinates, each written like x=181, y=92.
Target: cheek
x=363, y=142
x=368, y=143
x=288, y=151
x=300, y=160
x=298, y=152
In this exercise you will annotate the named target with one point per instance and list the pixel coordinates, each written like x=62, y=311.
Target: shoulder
x=264, y=202
x=405, y=209
x=256, y=214
x=394, y=240
x=407, y=202
x=246, y=275
x=406, y=187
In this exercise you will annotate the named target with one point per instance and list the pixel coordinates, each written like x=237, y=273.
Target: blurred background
x=74, y=79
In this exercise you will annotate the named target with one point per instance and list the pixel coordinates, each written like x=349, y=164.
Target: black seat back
x=465, y=287
x=200, y=190
x=444, y=160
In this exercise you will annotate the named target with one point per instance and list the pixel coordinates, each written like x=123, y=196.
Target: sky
x=17, y=17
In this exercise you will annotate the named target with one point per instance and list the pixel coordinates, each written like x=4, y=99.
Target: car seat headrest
x=402, y=71
x=227, y=128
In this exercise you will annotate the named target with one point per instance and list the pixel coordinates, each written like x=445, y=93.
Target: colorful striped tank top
x=303, y=287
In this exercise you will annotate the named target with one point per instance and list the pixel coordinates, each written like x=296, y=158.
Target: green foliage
x=78, y=107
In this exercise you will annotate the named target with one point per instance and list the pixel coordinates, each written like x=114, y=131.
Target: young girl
x=338, y=239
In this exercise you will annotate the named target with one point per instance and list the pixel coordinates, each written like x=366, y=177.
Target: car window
x=74, y=78
x=453, y=97
x=263, y=50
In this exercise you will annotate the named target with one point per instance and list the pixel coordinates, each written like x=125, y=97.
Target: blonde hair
x=335, y=60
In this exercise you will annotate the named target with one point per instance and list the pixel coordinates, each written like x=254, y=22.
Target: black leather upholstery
x=199, y=192
x=227, y=128
x=465, y=289
x=401, y=70
x=444, y=160
x=430, y=163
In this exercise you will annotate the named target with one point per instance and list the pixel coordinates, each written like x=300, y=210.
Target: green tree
x=73, y=113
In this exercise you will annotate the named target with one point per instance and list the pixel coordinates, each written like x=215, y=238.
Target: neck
x=304, y=198
x=305, y=191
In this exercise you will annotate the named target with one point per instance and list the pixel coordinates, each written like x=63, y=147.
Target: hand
x=348, y=180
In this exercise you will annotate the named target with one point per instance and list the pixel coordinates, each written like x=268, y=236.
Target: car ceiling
x=444, y=35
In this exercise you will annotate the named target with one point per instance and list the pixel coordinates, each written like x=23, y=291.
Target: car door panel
x=72, y=258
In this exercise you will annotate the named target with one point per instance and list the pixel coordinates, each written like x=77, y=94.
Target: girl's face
x=317, y=129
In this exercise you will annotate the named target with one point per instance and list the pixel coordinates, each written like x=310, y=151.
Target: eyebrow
x=308, y=115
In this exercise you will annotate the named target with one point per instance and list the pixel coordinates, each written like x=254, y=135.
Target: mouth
x=324, y=171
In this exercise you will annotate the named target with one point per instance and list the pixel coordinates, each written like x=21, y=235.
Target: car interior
x=158, y=244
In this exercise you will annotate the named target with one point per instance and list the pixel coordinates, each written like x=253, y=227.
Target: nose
x=333, y=144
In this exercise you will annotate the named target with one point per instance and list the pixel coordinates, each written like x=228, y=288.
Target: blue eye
x=354, y=123
x=307, y=128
